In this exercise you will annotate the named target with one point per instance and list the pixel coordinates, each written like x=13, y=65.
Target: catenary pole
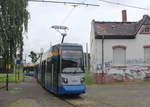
x=87, y=59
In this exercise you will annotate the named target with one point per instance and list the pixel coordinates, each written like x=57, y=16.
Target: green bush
x=88, y=79
x=12, y=77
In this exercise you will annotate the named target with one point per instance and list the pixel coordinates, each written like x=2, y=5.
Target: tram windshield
x=72, y=60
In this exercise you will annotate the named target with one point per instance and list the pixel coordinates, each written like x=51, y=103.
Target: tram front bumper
x=72, y=89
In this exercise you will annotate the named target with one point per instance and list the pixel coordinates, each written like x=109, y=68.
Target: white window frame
x=147, y=30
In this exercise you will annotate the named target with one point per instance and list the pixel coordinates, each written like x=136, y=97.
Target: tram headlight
x=82, y=80
x=65, y=80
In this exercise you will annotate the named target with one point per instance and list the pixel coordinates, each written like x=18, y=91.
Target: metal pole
x=58, y=28
x=63, y=36
x=62, y=39
x=7, y=67
x=15, y=72
x=7, y=82
x=7, y=77
x=7, y=62
x=23, y=68
x=102, y=58
x=18, y=75
x=87, y=59
x=84, y=55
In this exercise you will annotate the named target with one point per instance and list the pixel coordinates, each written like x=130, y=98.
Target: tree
x=34, y=57
x=13, y=23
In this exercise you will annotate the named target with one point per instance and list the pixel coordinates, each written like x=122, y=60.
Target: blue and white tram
x=62, y=69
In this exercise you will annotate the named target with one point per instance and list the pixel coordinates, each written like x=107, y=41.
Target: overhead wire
x=84, y=1
x=69, y=14
x=64, y=2
x=125, y=5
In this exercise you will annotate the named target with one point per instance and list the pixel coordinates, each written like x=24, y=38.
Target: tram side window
x=55, y=59
x=43, y=68
x=48, y=71
x=54, y=62
x=49, y=67
x=51, y=62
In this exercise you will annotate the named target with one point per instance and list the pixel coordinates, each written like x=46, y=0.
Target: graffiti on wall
x=134, y=71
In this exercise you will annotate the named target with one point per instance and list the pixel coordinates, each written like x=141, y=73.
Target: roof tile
x=120, y=28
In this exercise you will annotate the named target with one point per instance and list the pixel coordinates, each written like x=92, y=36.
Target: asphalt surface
x=31, y=94
x=119, y=95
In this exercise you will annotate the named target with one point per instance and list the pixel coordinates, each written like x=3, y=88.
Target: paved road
x=115, y=95
x=120, y=95
x=29, y=94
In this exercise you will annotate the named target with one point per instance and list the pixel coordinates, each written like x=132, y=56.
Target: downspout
x=102, y=58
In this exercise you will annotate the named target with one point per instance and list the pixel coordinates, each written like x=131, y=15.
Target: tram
x=29, y=70
x=61, y=69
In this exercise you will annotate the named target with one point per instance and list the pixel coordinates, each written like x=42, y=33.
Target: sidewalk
x=28, y=94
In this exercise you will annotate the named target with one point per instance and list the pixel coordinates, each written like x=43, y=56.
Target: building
x=120, y=51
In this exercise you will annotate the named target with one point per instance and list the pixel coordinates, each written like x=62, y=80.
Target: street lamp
x=60, y=29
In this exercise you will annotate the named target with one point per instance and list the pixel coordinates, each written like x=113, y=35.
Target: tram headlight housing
x=82, y=80
x=65, y=80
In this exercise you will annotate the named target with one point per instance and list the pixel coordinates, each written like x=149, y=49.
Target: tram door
x=43, y=73
x=54, y=77
x=54, y=67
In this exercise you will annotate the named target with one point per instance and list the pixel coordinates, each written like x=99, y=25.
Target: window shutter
x=147, y=55
x=119, y=56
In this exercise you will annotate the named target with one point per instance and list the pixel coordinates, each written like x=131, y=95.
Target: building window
x=147, y=30
x=147, y=54
x=119, y=55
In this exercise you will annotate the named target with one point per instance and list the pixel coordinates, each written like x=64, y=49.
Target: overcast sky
x=44, y=15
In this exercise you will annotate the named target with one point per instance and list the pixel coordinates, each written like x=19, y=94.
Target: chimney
x=124, y=16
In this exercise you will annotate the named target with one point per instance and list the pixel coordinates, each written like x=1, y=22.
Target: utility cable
x=69, y=14
x=59, y=2
x=84, y=1
x=125, y=5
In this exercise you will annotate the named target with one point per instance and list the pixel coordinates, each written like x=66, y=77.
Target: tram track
x=68, y=102
x=77, y=101
x=62, y=98
x=77, y=105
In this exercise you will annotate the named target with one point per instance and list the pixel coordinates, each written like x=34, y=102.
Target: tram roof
x=30, y=65
x=68, y=44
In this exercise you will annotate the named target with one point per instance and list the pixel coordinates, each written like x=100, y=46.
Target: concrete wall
x=134, y=51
